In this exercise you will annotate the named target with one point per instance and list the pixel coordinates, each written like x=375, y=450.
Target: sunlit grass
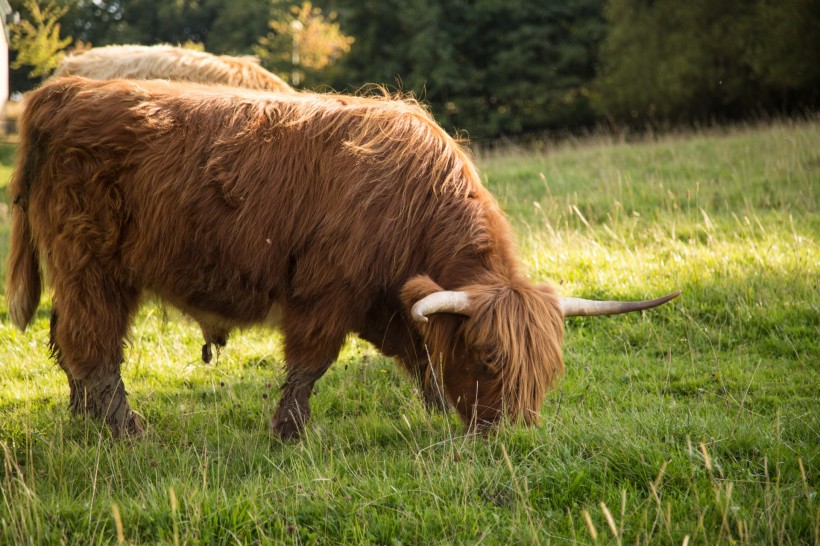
x=697, y=421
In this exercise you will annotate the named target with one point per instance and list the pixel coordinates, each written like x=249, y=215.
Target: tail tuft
x=23, y=285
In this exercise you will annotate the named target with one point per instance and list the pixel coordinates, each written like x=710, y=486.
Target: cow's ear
x=547, y=290
x=417, y=288
x=439, y=326
x=550, y=294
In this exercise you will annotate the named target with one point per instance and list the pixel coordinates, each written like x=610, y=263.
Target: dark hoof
x=129, y=427
x=287, y=426
x=286, y=429
x=104, y=399
x=480, y=428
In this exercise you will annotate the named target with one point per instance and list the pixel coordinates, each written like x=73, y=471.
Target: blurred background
x=488, y=68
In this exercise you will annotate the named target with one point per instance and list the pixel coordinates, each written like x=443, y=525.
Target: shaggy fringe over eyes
x=522, y=325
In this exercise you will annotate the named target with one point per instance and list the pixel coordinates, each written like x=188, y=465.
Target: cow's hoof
x=103, y=398
x=480, y=428
x=286, y=427
x=129, y=427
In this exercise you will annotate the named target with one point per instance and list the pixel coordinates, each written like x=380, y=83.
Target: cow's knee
x=313, y=339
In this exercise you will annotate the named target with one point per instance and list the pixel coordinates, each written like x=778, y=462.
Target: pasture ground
x=697, y=422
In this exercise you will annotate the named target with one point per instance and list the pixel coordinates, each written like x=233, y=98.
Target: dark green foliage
x=489, y=67
x=510, y=67
x=223, y=27
x=237, y=25
x=704, y=60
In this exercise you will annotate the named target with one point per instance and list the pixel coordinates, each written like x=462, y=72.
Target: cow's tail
x=23, y=282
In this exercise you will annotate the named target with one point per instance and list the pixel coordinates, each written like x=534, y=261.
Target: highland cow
x=167, y=62
x=322, y=214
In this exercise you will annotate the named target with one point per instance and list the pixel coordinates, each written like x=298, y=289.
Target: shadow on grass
x=220, y=418
x=724, y=330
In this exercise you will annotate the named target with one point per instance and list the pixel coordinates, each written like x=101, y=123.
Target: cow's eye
x=487, y=358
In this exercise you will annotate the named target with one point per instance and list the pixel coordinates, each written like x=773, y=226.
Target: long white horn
x=578, y=307
x=441, y=302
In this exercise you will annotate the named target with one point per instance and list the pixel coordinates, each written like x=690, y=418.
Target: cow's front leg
x=313, y=338
x=294, y=405
x=396, y=337
x=432, y=391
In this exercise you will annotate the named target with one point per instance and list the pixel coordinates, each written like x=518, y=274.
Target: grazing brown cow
x=323, y=214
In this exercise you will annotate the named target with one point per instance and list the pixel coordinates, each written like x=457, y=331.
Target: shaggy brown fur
x=326, y=214
x=167, y=62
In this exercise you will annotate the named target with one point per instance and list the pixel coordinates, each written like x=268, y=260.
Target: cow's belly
x=218, y=325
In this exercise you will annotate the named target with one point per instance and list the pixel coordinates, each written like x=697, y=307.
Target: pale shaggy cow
x=167, y=62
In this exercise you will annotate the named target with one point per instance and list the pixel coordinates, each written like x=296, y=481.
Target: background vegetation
x=694, y=423
x=504, y=67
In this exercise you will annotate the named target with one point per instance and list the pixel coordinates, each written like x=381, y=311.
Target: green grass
x=699, y=419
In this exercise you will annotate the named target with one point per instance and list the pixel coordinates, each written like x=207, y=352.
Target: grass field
x=697, y=422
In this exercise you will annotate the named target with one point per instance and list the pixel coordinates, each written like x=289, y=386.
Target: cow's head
x=495, y=348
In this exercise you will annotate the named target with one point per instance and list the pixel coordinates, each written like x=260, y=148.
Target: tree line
x=499, y=67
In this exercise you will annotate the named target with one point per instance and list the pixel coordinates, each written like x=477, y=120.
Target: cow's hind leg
x=88, y=327
x=75, y=398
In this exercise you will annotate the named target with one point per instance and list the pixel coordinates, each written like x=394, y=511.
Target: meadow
x=694, y=423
